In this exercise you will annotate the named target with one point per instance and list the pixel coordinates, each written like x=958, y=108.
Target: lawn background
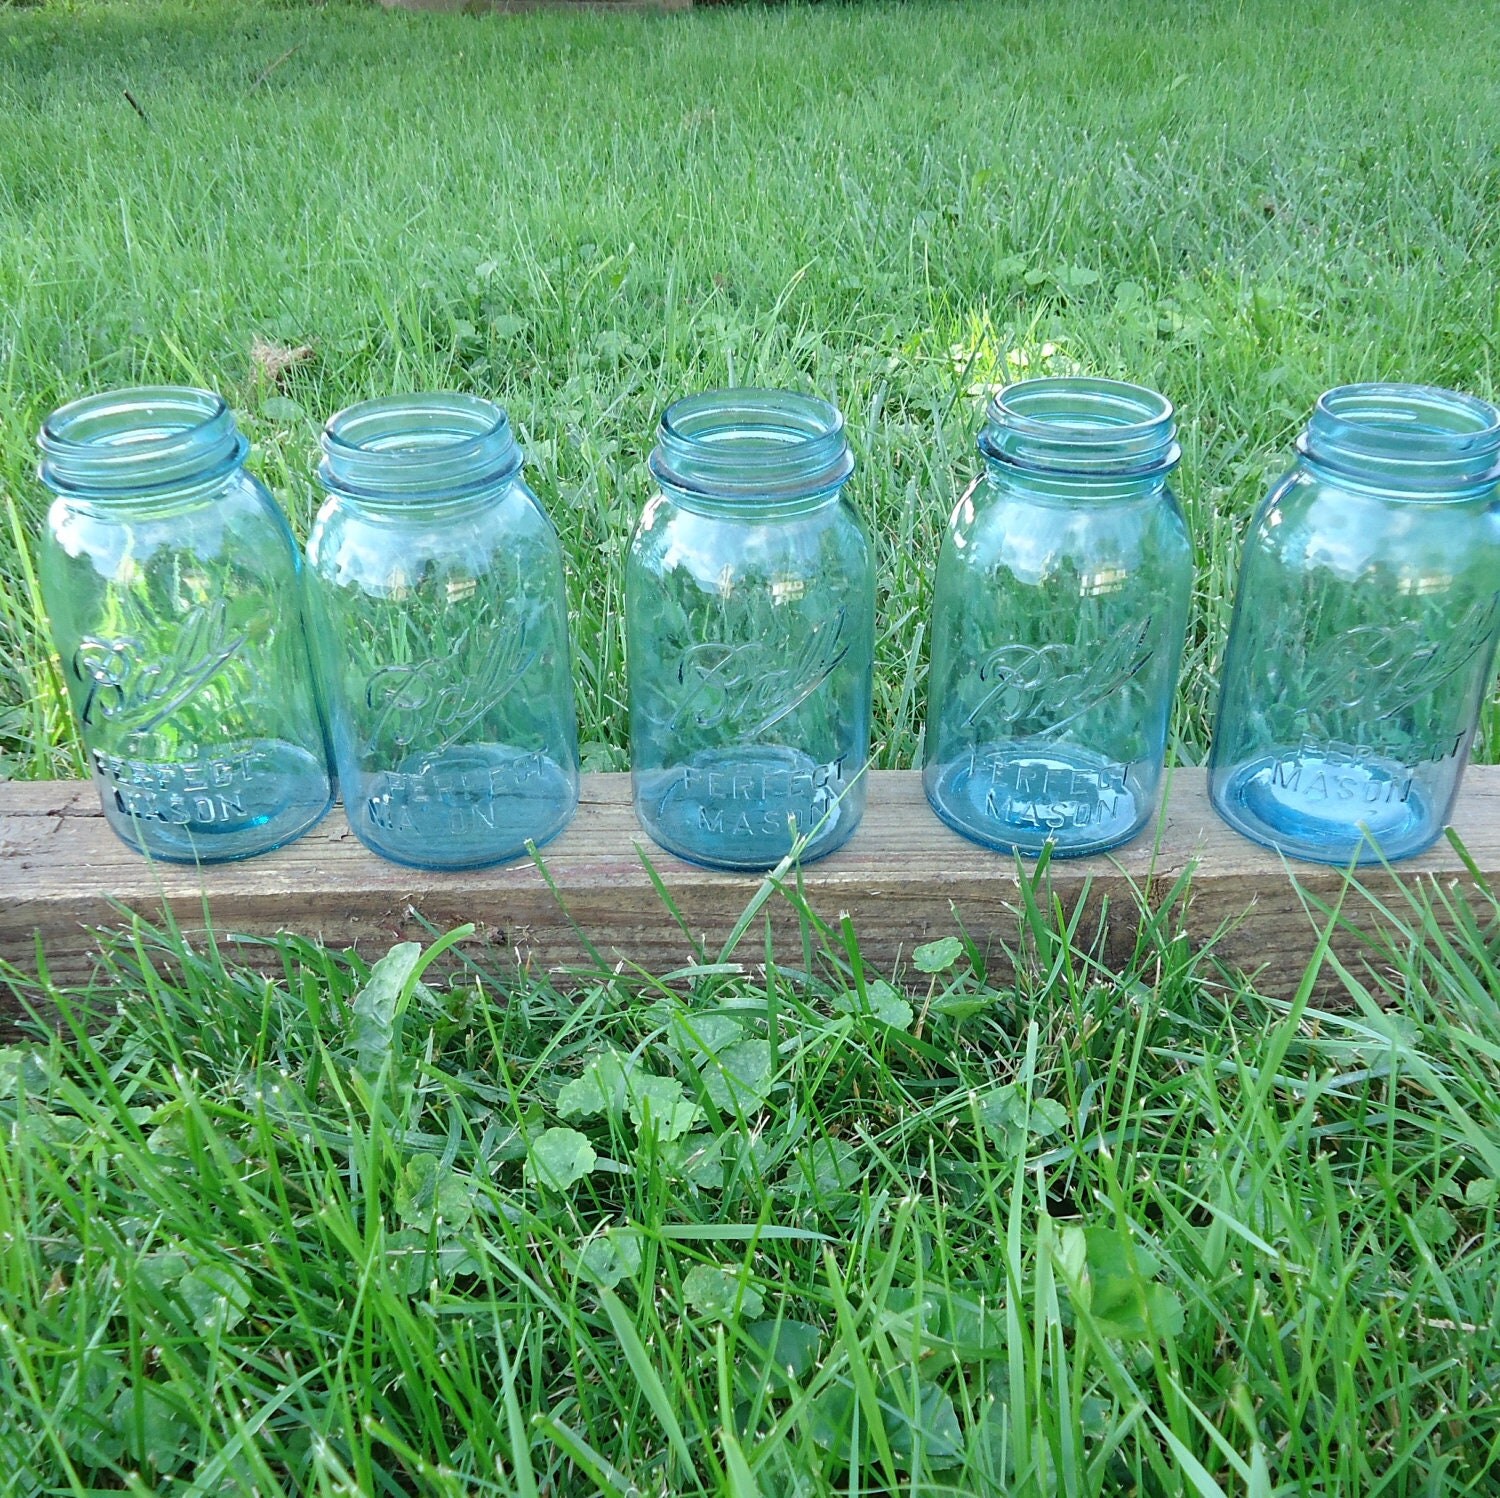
x=897, y=206
x=1132, y=1231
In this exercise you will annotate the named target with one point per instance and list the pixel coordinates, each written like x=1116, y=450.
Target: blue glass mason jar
x=1059, y=610
x=1364, y=628
x=441, y=634
x=750, y=623
x=172, y=584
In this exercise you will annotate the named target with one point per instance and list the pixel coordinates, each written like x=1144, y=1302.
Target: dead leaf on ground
x=269, y=362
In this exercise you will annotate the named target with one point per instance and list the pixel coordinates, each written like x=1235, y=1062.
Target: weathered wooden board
x=903, y=879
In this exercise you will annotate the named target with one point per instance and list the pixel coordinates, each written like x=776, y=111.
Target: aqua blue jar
x=171, y=581
x=1364, y=630
x=1059, y=610
x=441, y=635
x=750, y=621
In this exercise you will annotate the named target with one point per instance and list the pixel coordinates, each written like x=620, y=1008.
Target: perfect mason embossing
x=755, y=803
x=204, y=790
x=1037, y=793
x=452, y=798
x=1327, y=770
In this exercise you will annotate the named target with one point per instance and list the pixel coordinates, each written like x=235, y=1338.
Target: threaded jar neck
x=1082, y=428
x=149, y=440
x=764, y=448
x=1412, y=439
x=404, y=450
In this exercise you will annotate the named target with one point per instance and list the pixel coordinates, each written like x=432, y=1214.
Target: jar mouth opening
x=749, y=443
x=1425, y=409
x=1080, y=409
x=1418, y=437
x=409, y=447
x=1082, y=425
x=140, y=439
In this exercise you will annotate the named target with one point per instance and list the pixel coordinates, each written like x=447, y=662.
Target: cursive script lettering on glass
x=436, y=702
x=748, y=688
x=1389, y=667
x=1059, y=682
x=138, y=688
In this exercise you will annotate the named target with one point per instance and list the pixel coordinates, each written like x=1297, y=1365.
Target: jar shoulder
x=351, y=545
x=669, y=536
x=1004, y=526
x=239, y=517
x=1310, y=522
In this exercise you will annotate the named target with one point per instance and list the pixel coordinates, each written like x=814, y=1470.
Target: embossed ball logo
x=440, y=699
x=747, y=688
x=1387, y=668
x=1059, y=682
x=138, y=686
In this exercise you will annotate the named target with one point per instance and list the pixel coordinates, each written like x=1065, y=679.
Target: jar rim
x=428, y=444
x=748, y=442
x=1049, y=404
x=139, y=439
x=1081, y=424
x=1420, y=438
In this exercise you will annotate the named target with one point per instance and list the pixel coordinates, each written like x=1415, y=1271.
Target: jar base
x=730, y=809
x=474, y=806
x=255, y=798
x=1325, y=808
x=1019, y=796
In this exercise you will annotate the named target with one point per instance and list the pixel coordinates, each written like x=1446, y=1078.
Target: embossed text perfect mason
x=750, y=607
x=171, y=582
x=437, y=589
x=1364, y=629
x=1059, y=611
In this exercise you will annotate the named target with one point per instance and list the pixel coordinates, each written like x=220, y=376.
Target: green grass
x=894, y=205
x=797, y=1232
x=335, y=1231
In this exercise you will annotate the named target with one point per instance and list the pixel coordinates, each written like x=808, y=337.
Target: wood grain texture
x=903, y=879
